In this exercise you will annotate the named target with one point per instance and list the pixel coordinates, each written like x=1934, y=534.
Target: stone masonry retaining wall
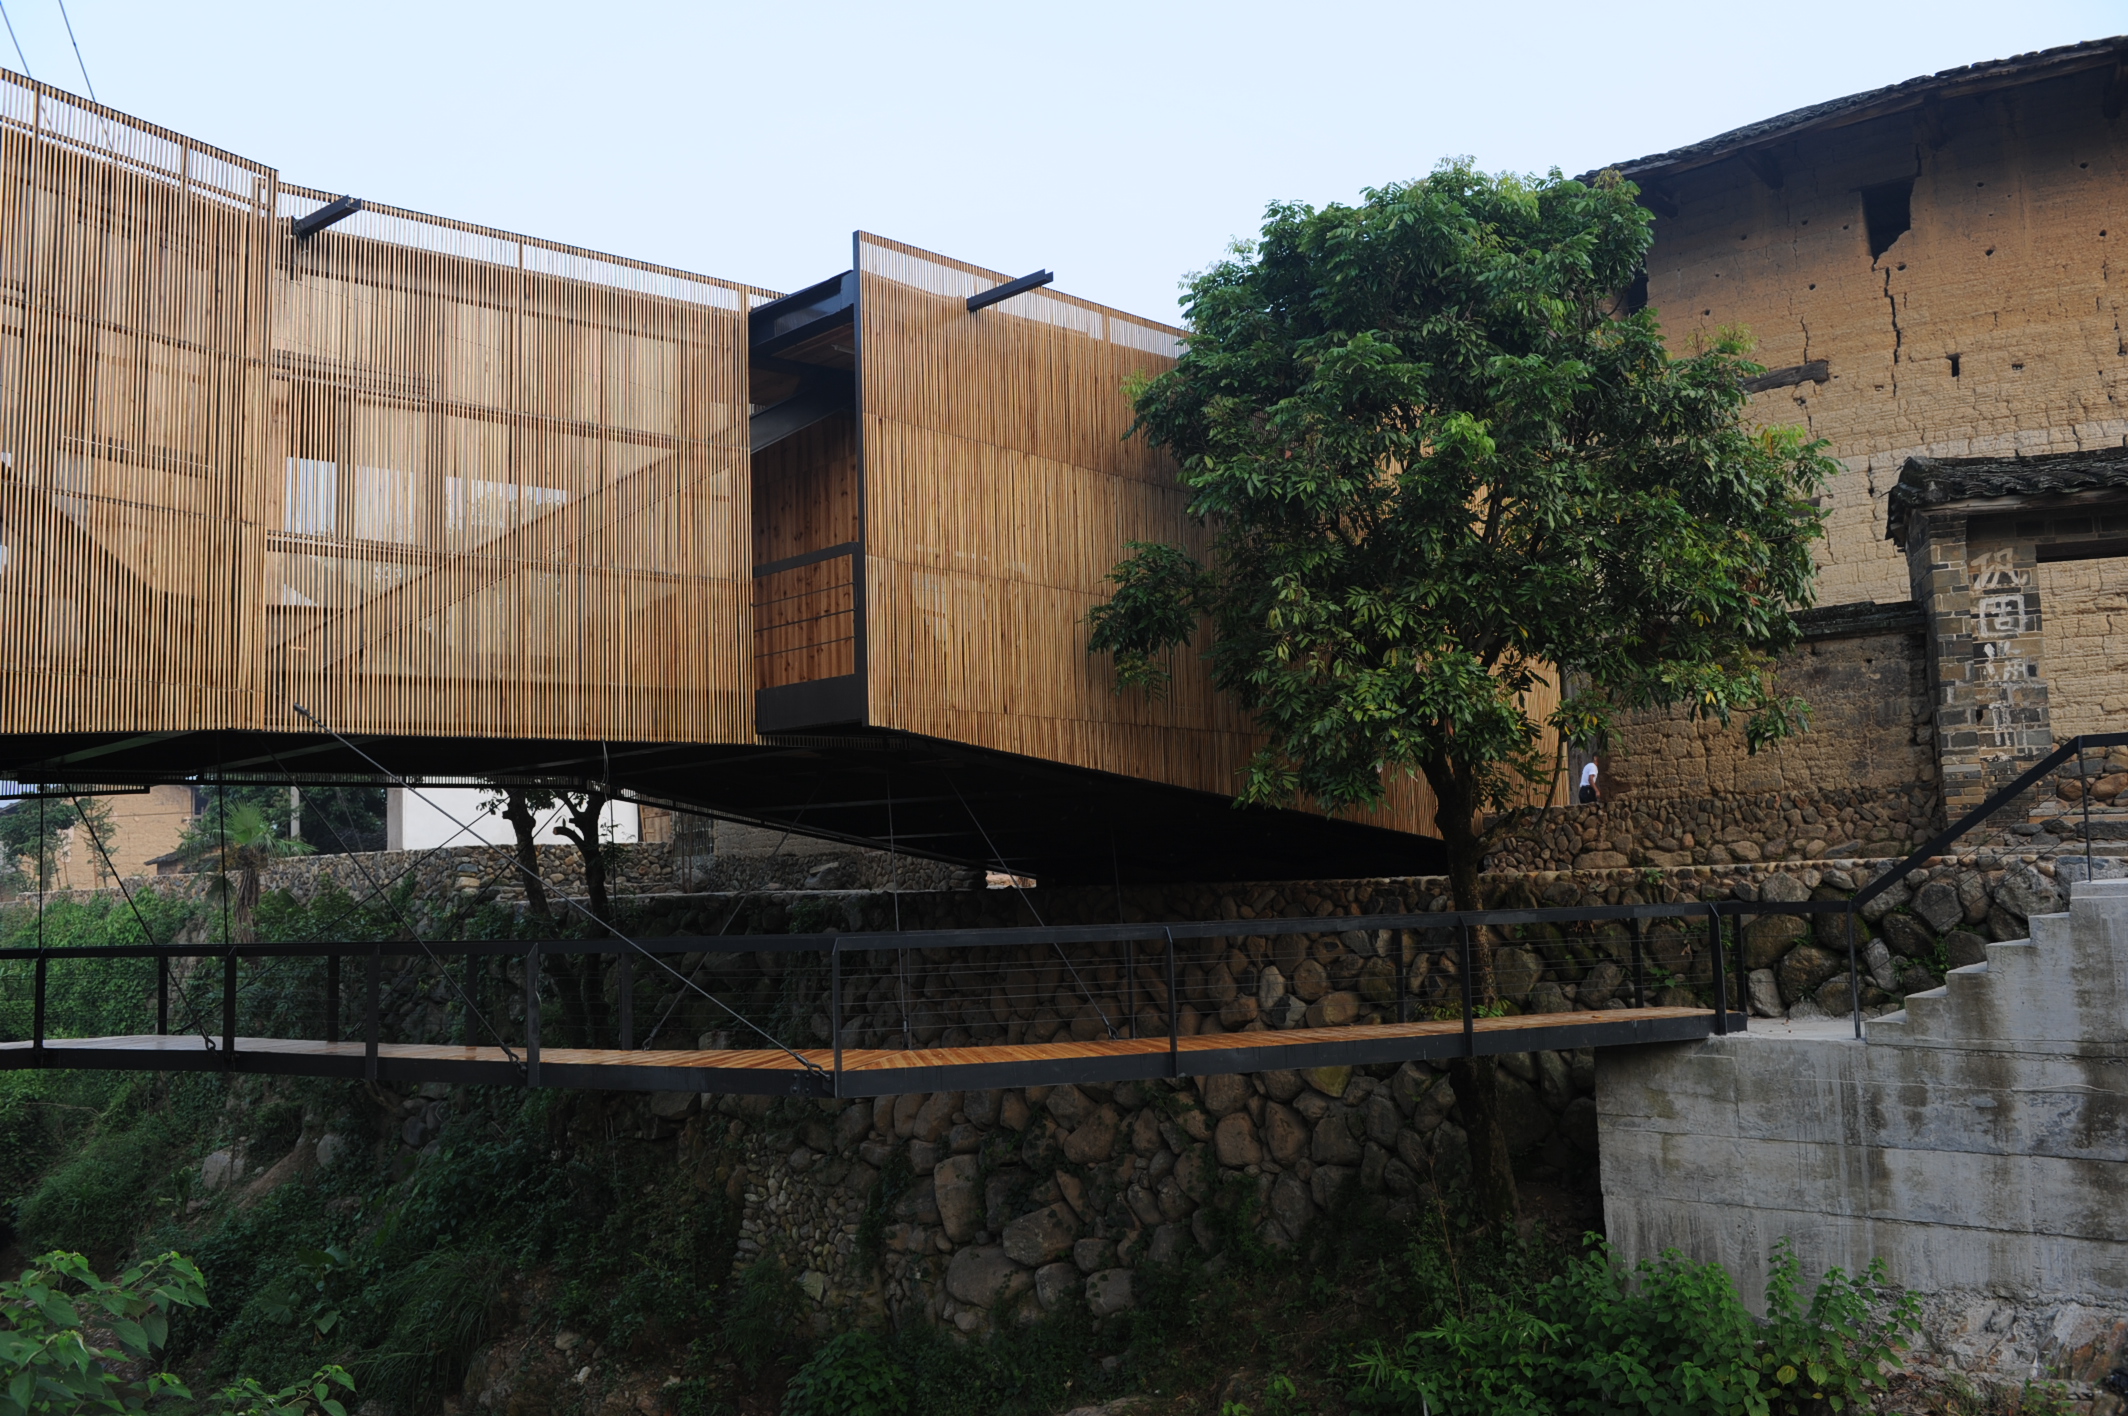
x=999, y=1204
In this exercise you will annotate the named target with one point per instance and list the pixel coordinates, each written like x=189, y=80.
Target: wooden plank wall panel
x=805, y=623
x=133, y=303
x=805, y=491
x=419, y=476
x=1000, y=489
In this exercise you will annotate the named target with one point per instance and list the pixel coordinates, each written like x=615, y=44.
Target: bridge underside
x=944, y=801
x=877, y=1071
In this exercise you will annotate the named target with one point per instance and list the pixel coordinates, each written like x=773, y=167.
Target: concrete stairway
x=2064, y=990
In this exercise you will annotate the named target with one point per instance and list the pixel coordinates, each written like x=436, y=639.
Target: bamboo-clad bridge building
x=293, y=486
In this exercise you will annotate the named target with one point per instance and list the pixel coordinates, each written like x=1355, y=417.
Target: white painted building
x=423, y=818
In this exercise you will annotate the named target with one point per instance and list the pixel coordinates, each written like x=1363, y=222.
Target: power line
x=24, y=58
x=77, y=48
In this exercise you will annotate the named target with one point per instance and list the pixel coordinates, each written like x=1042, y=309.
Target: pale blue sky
x=1119, y=144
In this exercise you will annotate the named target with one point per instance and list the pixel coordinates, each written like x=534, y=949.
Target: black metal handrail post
x=835, y=1008
x=37, y=1012
x=1130, y=986
x=372, y=1006
x=1743, y=978
x=1174, y=1012
x=1403, y=968
x=472, y=993
x=532, y=1016
x=1721, y=975
x=1467, y=972
x=1854, y=975
x=332, y=997
x=1640, y=992
x=2083, y=781
x=228, y=1007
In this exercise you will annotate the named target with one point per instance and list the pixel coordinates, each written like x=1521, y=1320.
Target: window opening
x=1887, y=214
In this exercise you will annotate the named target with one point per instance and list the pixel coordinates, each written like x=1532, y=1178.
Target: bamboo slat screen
x=1000, y=491
x=133, y=334
x=419, y=476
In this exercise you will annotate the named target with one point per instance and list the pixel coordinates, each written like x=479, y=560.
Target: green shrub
x=97, y=1201
x=763, y=1310
x=440, y=1308
x=1670, y=1337
x=854, y=1374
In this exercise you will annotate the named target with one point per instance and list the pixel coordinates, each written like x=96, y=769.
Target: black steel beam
x=331, y=214
x=1009, y=289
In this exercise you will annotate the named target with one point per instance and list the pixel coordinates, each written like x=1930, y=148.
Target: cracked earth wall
x=1993, y=325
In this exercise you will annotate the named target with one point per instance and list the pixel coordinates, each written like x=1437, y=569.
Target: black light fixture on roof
x=330, y=214
x=1009, y=289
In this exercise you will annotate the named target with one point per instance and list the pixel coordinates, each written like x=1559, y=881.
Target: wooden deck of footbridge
x=1135, y=990
x=877, y=1071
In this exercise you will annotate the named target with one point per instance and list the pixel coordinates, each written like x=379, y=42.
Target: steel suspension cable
x=390, y=880
x=19, y=55
x=472, y=1010
x=404, y=785
x=737, y=905
x=1069, y=966
x=69, y=22
x=147, y=935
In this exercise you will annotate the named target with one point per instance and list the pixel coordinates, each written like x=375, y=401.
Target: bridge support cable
x=737, y=905
x=1071, y=968
x=811, y=1067
x=379, y=888
x=147, y=936
x=377, y=891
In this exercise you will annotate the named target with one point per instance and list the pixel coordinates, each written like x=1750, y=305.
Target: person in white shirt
x=1588, y=782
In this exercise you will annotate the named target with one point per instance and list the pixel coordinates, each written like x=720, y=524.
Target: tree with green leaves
x=31, y=830
x=1441, y=460
x=237, y=842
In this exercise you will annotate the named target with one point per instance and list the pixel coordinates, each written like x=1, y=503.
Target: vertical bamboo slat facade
x=435, y=481
x=977, y=601
x=421, y=477
x=514, y=489
x=133, y=338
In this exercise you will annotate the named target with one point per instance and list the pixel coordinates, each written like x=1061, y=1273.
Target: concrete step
x=1928, y=1015
x=1892, y=1027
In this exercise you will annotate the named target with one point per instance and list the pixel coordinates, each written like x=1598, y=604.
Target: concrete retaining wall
x=1977, y=1141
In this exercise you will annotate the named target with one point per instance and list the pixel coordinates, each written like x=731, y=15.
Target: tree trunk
x=568, y=984
x=1492, y=1172
x=588, y=977
x=583, y=828
x=247, y=902
x=518, y=813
